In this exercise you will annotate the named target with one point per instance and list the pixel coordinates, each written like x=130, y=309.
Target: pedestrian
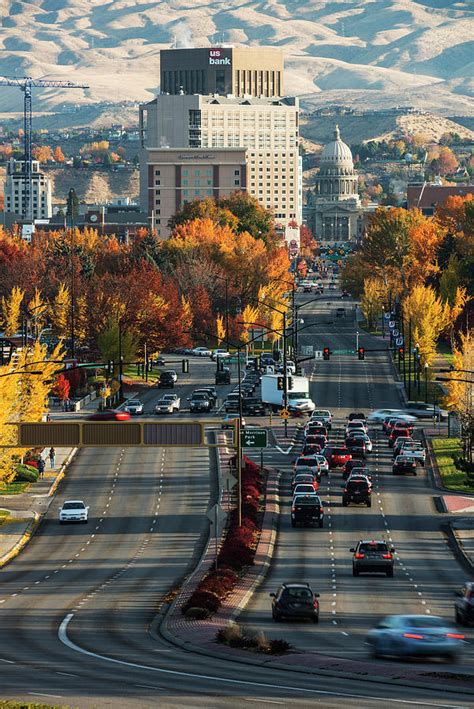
x=52, y=456
x=48, y=418
x=41, y=466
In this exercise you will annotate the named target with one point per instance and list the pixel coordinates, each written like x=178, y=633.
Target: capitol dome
x=337, y=152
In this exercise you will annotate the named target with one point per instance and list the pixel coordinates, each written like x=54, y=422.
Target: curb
x=23, y=541
x=458, y=548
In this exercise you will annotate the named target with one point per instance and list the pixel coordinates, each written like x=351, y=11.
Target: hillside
x=365, y=53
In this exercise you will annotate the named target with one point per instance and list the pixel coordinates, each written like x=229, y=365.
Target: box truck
x=298, y=395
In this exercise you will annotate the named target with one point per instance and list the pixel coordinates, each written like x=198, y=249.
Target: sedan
x=415, y=636
x=307, y=464
x=358, y=435
x=73, y=511
x=134, y=407
x=109, y=415
x=228, y=421
x=404, y=464
x=202, y=352
x=305, y=489
x=380, y=414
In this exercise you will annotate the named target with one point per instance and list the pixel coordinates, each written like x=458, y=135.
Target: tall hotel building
x=220, y=126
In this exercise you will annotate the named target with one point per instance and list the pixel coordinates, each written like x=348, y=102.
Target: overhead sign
x=254, y=438
x=318, y=354
x=399, y=341
x=342, y=352
x=308, y=350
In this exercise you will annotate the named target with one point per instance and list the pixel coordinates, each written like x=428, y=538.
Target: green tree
x=111, y=343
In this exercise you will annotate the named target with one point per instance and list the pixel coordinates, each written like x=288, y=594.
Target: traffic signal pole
x=285, y=380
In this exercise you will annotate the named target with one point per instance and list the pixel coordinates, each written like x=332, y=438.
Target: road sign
x=391, y=324
x=342, y=352
x=307, y=350
x=217, y=517
x=387, y=316
x=254, y=438
x=318, y=354
x=284, y=413
x=399, y=341
x=228, y=481
x=395, y=332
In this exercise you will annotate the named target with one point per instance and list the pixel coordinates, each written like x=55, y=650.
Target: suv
x=357, y=447
x=295, y=600
x=231, y=402
x=372, y=556
x=253, y=406
x=464, y=604
x=358, y=491
x=167, y=379
x=404, y=464
x=398, y=432
x=223, y=376
x=199, y=401
x=307, y=510
x=414, y=449
x=324, y=416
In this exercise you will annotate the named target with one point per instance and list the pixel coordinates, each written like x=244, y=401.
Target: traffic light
x=326, y=353
x=361, y=353
x=110, y=367
x=185, y=366
x=401, y=353
x=280, y=383
x=290, y=383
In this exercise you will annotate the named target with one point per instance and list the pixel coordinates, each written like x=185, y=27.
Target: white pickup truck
x=168, y=404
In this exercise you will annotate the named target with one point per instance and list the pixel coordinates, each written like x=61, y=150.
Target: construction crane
x=26, y=84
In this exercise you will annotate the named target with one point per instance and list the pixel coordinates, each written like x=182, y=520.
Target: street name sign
x=254, y=438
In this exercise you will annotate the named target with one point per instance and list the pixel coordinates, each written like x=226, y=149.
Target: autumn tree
x=42, y=153
x=11, y=311
x=372, y=301
x=61, y=387
x=112, y=344
x=220, y=330
x=58, y=154
x=459, y=397
x=428, y=317
x=60, y=311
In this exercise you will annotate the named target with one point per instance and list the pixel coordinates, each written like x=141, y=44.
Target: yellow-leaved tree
x=249, y=321
x=220, y=330
x=37, y=309
x=60, y=310
x=460, y=397
x=371, y=300
x=428, y=316
x=8, y=397
x=11, y=311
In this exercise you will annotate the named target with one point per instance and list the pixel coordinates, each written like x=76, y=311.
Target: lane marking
x=43, y=694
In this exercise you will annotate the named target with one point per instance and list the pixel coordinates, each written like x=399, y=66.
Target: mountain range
x=362, y=53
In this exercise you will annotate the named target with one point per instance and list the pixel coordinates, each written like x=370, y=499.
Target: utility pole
x=120, y=360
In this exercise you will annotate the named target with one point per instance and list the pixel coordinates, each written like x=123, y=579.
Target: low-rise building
x=427, y=196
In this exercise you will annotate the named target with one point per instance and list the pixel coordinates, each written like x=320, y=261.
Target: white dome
x=337, y=152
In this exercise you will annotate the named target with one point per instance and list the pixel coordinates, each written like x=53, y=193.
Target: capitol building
x=334, y=212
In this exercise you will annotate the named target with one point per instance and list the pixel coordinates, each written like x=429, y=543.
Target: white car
x=202, y=352
x=380, y=414
x=323, y=415
x=134, y=407
x=219, y=353
x=73, y=511
x=323, y=464
x=356, y=426
x=174, y=375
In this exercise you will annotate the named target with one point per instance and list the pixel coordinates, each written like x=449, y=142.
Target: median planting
x=237, y=550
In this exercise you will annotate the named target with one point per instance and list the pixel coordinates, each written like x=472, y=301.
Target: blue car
x=415, y=636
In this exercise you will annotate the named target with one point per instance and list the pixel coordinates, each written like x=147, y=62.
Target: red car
x=109, y=415
x=336, y=457
x=398, y=432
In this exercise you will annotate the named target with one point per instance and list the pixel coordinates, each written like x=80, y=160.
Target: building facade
x=265, y=129
x=225, y=70
x=427, y=196
x=334, y=212
x=15, y=190
x=176, y=176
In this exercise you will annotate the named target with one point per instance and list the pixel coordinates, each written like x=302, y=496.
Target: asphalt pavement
x=77, y=606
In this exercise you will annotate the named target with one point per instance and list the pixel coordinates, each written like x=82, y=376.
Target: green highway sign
x=254, y=438
x=342, y=352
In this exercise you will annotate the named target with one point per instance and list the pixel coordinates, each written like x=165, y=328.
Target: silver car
x=134, y=407
x=415, y=636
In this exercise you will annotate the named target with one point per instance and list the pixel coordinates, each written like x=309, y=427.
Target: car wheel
x=458, y=617
x=61, y=522
x=321, y=524
x=369, y=503
x=344, y=503
x=376, y=650
x=390, y=573
x=315, y=618
x=86, y=521
x=293, y=523
x=355, y=572
x=276, y=617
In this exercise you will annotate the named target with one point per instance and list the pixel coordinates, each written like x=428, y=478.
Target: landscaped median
x=448, y=452
x=237, y=551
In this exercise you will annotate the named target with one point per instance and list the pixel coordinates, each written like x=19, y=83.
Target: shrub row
x=234, y=635
x=26, y=473
x=238, y=549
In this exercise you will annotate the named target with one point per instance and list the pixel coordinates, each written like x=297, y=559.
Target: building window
x=197, y=192
x=237, y=182
x=197, y=172
x=157, y=172
x=186, y=193
x=185, y=182
x=185, y=173
x=236, y=172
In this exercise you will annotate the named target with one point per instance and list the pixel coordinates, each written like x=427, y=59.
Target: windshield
x=134, y=402
x=199, y=397
x=376, y=546
x=298, y=395
x=421, y=621
x=73, y=506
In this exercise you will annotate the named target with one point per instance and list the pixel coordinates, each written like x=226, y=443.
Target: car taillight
x=321, y=509
x=293, y=509
x=455, y=636
x=345, y=489
x=359, y=555
x=413, y=636
x=386, y=556
x=315, y=604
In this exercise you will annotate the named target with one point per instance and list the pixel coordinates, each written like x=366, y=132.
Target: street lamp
x=426, y=382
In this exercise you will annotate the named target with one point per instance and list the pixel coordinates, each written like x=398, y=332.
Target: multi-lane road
x=77, y=607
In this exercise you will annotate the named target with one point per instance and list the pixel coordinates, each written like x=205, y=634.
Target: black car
x=307, y=510
x=358, y=492
x=404, y=464
x=374, y=556
x=356, y=447
x=464, y=604
x=223, y=376
x=253, y=406
x=231, y=402
x=359, y=469
x=166, y=380
x=295, y=600
x=357, y=416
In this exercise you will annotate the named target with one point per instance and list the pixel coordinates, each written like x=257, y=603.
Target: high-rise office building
x=15, y=190
x=267, y=129
x=225, y=70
